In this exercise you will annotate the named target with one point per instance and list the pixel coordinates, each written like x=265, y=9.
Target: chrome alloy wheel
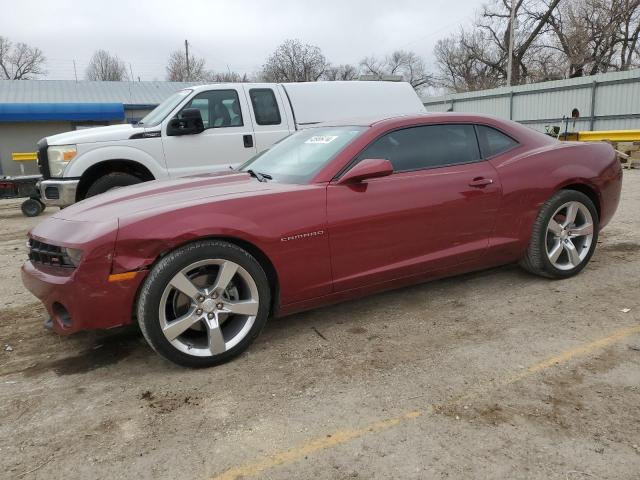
x=569, y=235
x=208, y=307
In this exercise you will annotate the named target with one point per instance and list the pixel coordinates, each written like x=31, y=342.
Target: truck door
x=268, y=115
x=227, y=138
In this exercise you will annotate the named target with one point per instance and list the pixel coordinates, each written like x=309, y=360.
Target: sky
x=229, y=34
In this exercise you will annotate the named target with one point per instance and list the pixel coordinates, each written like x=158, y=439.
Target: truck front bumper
x=59, y=192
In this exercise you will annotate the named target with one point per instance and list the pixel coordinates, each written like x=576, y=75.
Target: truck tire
x=111, y=181
x=32, y=207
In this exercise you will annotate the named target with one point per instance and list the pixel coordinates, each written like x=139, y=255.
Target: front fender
x=141, y=242
x=303, y=267
x=151, y=156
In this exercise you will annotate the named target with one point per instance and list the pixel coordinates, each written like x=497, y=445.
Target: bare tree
x=341, y=72
x=461, y=69
x=532, y=18
x=629, y=34
x=20, y=61
x=294, y=61
x=106, y=67
x=179, y=70
x=403, y=63
x=226, y=77
x=596, y=36
x=484, y=50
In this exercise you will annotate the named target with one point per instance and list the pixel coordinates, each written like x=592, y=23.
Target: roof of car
x=371, y=121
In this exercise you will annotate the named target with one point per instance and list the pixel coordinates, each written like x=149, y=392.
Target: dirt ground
x=497, y=374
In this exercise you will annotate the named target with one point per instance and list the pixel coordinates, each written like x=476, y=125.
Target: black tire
x=148, y=306
x=536, y=260
x=111, y=181
x=32, y=207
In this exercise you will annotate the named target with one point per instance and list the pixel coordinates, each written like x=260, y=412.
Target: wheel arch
x=589, y=191
x=109, y=166
x=262, y=258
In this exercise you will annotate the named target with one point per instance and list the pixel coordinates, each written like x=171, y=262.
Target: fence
x=608, y=101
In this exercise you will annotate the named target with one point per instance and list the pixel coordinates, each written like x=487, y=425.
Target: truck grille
x=43, y=253
x=43, y=159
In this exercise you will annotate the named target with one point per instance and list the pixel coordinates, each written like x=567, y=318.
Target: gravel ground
x=496, y=374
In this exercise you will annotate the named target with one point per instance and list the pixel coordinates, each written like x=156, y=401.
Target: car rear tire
x=111, y=181
x=204, y=303
x=564, y=236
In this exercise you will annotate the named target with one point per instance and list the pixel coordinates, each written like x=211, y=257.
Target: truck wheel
x=31, y=207
x=111, y=181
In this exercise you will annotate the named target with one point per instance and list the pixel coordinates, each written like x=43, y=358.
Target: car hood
x=96, y=134
x=162, y=195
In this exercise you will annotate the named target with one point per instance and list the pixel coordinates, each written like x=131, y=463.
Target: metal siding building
x=32, y=109
x=609, y=101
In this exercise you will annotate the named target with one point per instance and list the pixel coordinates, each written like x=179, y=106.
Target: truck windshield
x=155, y=116
x=297, y=158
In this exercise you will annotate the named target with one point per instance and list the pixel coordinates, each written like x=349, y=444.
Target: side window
x=265, y=106
x=428, y=146
x=493, y=142
x=219, y=108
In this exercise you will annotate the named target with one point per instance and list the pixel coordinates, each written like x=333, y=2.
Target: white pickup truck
x=203, y=129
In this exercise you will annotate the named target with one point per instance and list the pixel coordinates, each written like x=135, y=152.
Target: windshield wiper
x=262, y=177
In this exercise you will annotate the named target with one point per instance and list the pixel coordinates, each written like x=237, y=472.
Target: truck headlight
x=59, y=158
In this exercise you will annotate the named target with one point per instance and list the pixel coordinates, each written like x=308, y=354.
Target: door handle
x=247, y=140
x=480, y=182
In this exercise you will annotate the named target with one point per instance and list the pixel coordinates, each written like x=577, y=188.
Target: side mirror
x=187, y=122
x=365, y=169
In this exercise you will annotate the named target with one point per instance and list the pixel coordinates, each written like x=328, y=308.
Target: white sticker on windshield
x=322, y=139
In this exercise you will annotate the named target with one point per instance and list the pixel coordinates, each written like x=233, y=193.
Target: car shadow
x=104, y=349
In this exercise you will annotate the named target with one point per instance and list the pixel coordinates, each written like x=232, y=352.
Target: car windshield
x=155, y=116
x=297, y=158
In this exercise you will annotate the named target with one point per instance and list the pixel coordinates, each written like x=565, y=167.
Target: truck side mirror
x=187, y=122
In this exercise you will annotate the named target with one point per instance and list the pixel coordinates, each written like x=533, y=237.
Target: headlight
x=73, y=254
x=59, y=158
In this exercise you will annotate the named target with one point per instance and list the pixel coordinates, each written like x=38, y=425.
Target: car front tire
x=204, y=303
x=564, y=236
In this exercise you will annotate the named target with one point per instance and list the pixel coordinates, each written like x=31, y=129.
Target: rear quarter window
x=493, y=142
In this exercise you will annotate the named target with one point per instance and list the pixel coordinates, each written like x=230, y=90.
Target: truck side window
x=265, y=106
x=219, y=108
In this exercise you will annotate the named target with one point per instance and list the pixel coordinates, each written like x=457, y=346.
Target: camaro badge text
x=317, y=233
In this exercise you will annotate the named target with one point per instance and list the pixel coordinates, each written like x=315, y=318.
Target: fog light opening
x=61, y=315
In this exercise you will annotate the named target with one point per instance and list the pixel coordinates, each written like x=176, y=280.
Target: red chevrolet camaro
x=328, y=214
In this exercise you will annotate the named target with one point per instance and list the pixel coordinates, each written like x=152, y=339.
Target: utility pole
x=511, y=29
x=186, y=54
x=131, y=72
x=75, y=72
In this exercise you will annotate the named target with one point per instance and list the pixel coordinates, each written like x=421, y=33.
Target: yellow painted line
x=343, y=436
x=24, y=156
x=313, y=446
x=579, y=351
